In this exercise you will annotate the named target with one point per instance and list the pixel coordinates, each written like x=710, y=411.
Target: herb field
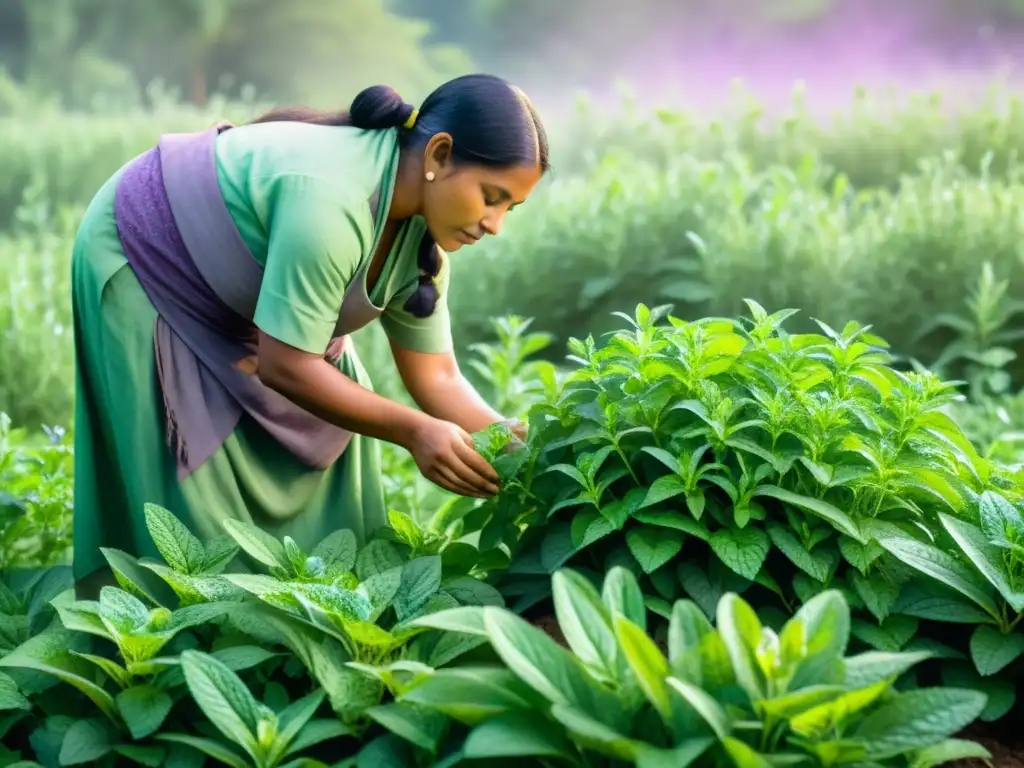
x=769, y=512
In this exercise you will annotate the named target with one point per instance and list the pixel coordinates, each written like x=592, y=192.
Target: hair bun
x=378, y=107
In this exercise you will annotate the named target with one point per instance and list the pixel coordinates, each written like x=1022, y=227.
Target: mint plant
x=736, y=693
x=725, y=455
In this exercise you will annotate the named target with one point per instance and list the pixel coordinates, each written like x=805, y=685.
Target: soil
x=1007, y=747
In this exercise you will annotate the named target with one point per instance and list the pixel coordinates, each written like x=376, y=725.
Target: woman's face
x=466, y=202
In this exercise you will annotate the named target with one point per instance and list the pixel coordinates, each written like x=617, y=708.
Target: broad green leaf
x=143, y=709
x=818, y=565
x=649, y=666
x=585, y=622
x=136, y=579
x=662, y=489
x=51, y=653
x=472, y=694
x=589, y=733
x=818, y=722
x=667, y=519
x=338, y=549
x=621, y=594
x=214, y=749
x=318, y=731
x=257, y=543
x=86, y=741
x=704, y=705
x=376, y=557
x=223, y=698
x=516, y=734
x=1000, y=521
x=121, y=612
x=740, y=630
x=468, y=619
x=544, y=665
x=890, y=635
x=743, y=550
x=414, y=723
x=858, y=554
x=878, y=593
x=653, y=547
x=179, y=547
x=838, y=518
x=917, y=719
x=933, y=562
x=744, y=756
x=406, y=528
x=219, y=552
x=472, y=591
x=992, y=651
x=948, y=751
x=421, y=579
x=871, y=667
x=986, y=557
x=10, y=697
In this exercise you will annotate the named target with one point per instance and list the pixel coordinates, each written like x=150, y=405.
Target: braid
x=424, y=299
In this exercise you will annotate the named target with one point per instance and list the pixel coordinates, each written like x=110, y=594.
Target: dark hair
x=491, y=123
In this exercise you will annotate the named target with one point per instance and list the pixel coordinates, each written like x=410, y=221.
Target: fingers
x=447, y=479
x=475, y=462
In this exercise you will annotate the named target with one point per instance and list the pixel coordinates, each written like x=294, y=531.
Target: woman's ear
x=437, y=156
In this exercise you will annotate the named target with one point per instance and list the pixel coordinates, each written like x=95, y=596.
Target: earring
x=430, y=175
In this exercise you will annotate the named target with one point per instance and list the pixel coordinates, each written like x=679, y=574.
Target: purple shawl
x=203, y=335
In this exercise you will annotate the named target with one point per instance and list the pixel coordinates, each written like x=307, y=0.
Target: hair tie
x=411, y=120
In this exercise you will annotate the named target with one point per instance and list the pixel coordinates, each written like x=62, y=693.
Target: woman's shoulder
x=343, y=162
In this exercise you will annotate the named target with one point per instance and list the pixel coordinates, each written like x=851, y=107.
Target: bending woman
x=216, y=278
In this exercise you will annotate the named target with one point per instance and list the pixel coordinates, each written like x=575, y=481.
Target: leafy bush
x=36, y=496
x=318, y=636
x=722, y=456
x=735, y=694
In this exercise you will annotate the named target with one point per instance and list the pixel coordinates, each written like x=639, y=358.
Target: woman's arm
x=436, y=384
x=443, y=451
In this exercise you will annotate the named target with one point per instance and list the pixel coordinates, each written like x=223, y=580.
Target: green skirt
x=122, y=460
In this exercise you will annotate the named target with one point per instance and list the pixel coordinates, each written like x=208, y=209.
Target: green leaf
x=50, y=653
x=414, y=723
x=214, y=749
x=878, y=593
x=933, y=562
x=704, y=705
x=647, y=662
x=338, y=549
x=992, y=651
x=653, y=547
x=948, y=751
x=472, y=591
x=744, y=756
x=743, y=550
x=866, y=669
x=143, y=708
x=121, y=612
x=137, y=580
x=219, y=551
x=860, y=555
x=86, y=741
x=1000, y=521
x=421, y=579
x=917, y=719
x=584, y=621
x=544, y=665
x=179, y=547
x=842, y=522
x=594, y=735
x=621, y=594
x=223, y=698
x=10, y=696
x=740, y=629
x=472, y=694
x=406, y=528
x=662, y=489
x=818, y=565
x=986, y=557
x=516, y=734
x=258, y=544
x=376, y=557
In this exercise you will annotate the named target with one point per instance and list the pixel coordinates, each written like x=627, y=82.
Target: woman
x=216, y=278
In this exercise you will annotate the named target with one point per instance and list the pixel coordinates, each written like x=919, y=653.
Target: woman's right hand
x=445, y=455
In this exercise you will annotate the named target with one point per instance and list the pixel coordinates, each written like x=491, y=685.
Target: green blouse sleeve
x=431, y=334
x=315, y=243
